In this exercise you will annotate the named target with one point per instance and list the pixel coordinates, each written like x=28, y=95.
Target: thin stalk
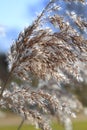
x=5, y=84
x=21, y=124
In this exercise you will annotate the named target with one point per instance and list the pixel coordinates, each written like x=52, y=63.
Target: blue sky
x=14, y=16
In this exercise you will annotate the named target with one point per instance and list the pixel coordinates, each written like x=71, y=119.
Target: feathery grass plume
x=45, y=52
x=37, y=105
x=51, y=48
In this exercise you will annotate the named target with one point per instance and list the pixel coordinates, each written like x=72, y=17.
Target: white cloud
x=2, y=31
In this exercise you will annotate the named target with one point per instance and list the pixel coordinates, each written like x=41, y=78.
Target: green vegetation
x=81, y=125
x=25, y=127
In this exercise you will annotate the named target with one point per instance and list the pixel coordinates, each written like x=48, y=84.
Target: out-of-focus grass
x=79, y=125
x=25, y=127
